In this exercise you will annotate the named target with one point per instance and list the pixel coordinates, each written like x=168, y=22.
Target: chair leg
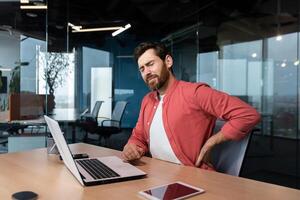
x=99, y=140
x=106, y=140
x=85, y=136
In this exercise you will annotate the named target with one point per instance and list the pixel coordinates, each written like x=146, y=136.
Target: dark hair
x=159, y=48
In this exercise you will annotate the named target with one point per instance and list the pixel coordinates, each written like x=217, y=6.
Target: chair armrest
x=109, y=120
x=106, y=118
x=84, y=112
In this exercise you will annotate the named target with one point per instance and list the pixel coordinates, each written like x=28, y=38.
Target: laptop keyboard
x=97, y=169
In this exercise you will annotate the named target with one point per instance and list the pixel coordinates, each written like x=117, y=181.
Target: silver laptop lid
x=63, y=147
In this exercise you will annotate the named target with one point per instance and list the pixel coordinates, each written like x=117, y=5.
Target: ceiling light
x=283, y=64
x=98, y=29
x=24, y=1
x=60, y=27
x=77, y=28
x=5, y=69
x=279, y=38
x=40, y=7
x=121, y=30
x=254, y=55
x=296, y=62
x=29, y=14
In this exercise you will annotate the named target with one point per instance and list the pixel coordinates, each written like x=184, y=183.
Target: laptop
x=92, y=171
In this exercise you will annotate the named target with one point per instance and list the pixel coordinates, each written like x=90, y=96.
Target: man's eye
x=141, y=69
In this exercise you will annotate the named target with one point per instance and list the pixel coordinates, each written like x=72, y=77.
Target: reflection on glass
x=242, y=70
x=21, y=32
x=282, y=54
x=238, y=71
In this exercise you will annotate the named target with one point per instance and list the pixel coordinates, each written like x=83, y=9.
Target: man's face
x=154, y=71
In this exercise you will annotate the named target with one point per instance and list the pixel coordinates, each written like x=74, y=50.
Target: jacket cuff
x=139, y=144
x=232, y=133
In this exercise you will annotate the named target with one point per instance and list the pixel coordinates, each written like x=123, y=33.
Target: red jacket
x=190, y=111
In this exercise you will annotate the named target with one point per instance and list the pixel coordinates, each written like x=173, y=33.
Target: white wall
x=101, y=90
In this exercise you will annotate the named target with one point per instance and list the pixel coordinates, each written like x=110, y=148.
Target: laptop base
x=112, y=180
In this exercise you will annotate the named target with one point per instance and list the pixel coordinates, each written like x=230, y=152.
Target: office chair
x=94, y=114
x=228, y=157
x=88, y=120
x=109, y=126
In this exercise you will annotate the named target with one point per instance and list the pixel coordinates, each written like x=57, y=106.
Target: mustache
x=151, y=76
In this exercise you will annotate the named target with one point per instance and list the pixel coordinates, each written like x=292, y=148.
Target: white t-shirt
x=160, y=147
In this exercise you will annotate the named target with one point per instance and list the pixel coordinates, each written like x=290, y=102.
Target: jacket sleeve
x=239, y=116
x=138, y=135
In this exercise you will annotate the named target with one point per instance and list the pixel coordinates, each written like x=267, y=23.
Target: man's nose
x=147, y=70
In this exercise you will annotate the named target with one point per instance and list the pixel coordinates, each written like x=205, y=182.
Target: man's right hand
x=132, y=152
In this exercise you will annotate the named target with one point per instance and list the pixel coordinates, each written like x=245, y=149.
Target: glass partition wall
x=22, y=39
x=261, y=68
x=22, y=105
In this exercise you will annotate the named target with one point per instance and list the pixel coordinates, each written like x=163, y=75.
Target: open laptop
x=92, y=171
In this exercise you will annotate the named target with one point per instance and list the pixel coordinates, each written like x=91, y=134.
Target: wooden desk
x=46, y=175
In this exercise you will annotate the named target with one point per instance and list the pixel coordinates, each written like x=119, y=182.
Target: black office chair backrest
x=96, y=109
x=228, y=157
x=118, y=112
x=85, y=116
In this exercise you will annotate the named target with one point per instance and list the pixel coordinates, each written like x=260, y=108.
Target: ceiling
x=148, y=18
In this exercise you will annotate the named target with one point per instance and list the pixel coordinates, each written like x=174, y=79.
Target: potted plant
x=56, y=69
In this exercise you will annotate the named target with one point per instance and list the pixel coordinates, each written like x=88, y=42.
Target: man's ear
x=169, y=61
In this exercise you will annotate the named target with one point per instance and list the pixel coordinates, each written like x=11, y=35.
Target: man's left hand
x=204, y=155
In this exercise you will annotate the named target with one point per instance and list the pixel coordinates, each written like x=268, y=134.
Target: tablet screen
x=172, y=191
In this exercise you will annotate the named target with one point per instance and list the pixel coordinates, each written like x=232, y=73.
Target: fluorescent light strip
x=5, y=69
x=77, y=28
x=121, y=30
x=97, y=29
x=24, y=1
x=33, y=7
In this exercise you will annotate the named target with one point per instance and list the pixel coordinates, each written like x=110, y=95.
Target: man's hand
x=132, y=152
x=204, y=155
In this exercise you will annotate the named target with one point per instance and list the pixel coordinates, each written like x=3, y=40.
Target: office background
x=248, y=49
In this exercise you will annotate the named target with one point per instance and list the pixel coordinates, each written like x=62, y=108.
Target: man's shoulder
x=149, y=96
x=192, y=85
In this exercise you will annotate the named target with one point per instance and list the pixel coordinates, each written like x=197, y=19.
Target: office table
x=62, y=115
x=68, y=116
x=46, y=175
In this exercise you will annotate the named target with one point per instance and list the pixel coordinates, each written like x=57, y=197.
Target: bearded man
x=177, y=118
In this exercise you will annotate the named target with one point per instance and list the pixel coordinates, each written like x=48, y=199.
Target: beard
x=155, y=82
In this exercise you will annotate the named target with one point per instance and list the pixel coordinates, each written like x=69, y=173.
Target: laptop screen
x=63, y=147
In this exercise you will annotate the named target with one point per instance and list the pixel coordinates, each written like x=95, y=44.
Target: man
x=177, y=118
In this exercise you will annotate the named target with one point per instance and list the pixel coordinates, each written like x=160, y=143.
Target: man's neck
x=167, y=85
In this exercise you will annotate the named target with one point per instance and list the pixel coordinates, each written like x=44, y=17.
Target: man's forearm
x=208, y=146
x=218, y=138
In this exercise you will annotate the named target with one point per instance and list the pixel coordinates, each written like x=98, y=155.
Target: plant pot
x=50, y=103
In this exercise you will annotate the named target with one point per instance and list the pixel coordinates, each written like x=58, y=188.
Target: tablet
x=177, y=190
